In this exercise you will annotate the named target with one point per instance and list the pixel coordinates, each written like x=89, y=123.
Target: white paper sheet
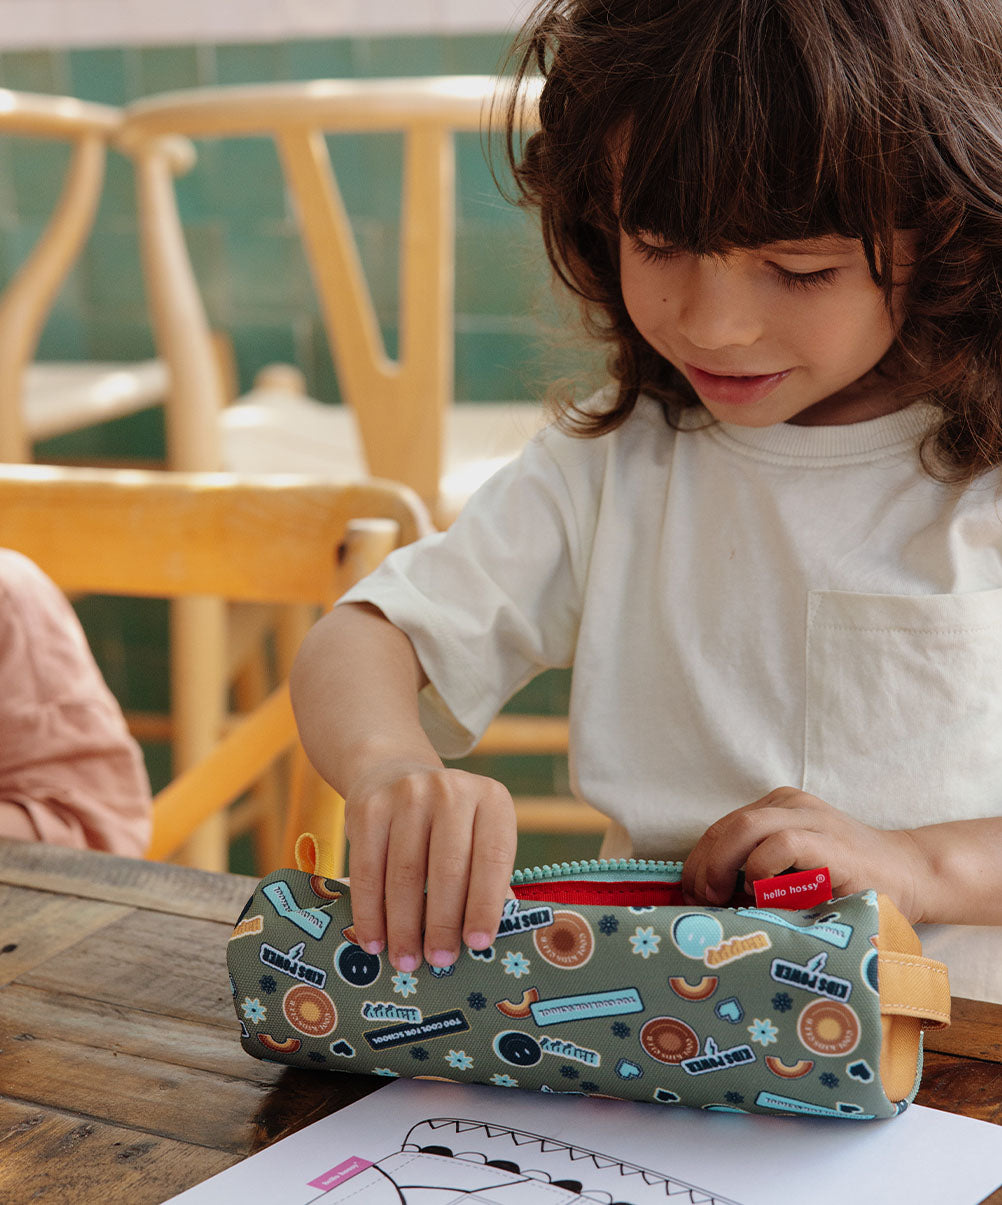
x=440, y=1144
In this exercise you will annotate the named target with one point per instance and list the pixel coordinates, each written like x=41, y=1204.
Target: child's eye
x=652, y=252
x=805, y=280
x=664, y=252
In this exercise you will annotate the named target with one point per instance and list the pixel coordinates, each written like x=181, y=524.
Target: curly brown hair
x=851, y=117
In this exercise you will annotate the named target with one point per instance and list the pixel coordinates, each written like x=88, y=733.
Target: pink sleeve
x=70, y=773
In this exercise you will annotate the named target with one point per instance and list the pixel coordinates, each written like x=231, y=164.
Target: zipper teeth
x=539, y=874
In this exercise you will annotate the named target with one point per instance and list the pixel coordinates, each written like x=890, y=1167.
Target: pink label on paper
x=343, y=1171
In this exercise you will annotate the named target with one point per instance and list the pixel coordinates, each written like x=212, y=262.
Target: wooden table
x=121, y=1077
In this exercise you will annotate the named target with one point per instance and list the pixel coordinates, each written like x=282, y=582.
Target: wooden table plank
x=156, y=886
x=50, y=1155
x=234, y=1113
x=164, y=1099
x=36, y=926
x=31, y=1013
x=168, y=965
x=975, y=1032
x=968, y=1086
x=301, y=1097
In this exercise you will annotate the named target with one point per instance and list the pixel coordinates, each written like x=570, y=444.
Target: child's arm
x=354, y=689
x=947, y=873
x=70, y=773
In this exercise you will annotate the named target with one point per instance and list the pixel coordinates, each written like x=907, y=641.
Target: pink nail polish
x=479, y=941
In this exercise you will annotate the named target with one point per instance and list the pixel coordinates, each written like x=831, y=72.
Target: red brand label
x=800, y=889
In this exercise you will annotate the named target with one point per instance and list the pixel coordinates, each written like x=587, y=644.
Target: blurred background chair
x=42, y=400
x=400, y=419
x=261, y=540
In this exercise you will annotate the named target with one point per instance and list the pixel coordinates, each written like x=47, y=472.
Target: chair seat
x=62, y=397
x=273, y=431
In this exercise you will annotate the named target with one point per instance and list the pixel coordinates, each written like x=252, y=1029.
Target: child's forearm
x=354, y=690
x=964, y=859
x=411, y=822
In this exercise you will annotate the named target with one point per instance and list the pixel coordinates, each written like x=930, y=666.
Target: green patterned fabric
x=731, y=1009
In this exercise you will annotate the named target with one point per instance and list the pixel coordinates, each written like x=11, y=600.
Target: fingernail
x=442, y=958
x=478, y=941
x=373, y=947
x=407, y=962
x=712, y=895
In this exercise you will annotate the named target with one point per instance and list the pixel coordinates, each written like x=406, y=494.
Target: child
x=70, y=774
x=772, y=547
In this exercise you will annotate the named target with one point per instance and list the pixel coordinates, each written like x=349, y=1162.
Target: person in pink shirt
x=70, y=773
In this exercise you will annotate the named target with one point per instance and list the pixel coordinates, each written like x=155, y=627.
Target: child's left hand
x=790, y=829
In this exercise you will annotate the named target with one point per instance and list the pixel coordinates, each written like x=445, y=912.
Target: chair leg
x=262, y=811
x=198, y=689
x=263, y=814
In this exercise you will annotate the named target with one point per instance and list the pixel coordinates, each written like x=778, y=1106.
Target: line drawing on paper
x=460, y=1161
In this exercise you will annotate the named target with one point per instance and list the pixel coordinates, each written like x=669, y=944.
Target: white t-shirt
x=744, y=609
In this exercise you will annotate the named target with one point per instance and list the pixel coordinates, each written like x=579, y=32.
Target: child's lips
x=734, y=390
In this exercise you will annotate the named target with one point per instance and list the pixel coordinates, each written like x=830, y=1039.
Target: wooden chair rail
x=461, y=102
x=41, y=116
x=215, y=520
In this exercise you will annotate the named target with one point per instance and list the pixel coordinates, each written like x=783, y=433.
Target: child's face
x=786, y=332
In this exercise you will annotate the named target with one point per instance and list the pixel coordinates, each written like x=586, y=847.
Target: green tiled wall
x=251, y=269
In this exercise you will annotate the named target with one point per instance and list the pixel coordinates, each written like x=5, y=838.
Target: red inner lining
x=628, y=893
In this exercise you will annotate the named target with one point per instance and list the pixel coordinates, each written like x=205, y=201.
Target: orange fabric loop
x=912, y=985
x=314, y=855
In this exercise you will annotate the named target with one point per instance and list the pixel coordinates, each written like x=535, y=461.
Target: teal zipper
x=601, y=870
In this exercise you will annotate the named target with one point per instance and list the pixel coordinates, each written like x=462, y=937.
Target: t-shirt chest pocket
x=903, y=718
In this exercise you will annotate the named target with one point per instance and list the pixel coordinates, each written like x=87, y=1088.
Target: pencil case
x=602, y=982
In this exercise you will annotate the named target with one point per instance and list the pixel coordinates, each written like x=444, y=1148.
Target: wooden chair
x=41, y=400
x=182, y=535
x=401, y=420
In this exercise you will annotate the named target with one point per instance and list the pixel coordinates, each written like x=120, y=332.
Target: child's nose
x=718, y=307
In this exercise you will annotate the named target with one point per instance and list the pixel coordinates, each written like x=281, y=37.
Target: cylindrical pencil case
x=602, y=982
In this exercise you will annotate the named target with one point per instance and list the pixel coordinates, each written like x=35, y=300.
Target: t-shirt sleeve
x=495, y=599
x=70, y=773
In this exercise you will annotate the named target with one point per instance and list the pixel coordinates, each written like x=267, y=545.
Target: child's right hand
x=412, y=823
